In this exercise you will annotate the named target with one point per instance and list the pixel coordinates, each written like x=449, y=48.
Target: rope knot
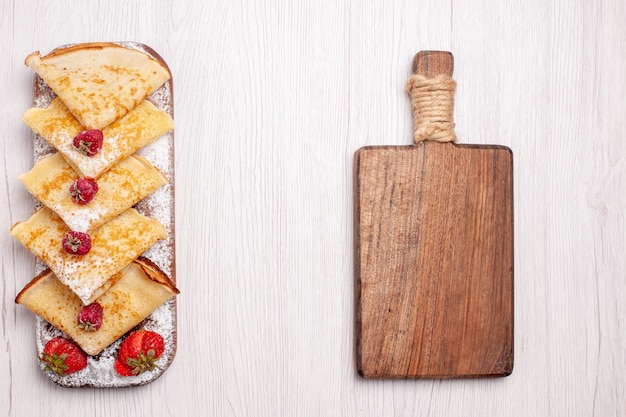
x=432, y=103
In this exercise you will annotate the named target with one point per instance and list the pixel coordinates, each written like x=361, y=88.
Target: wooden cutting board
x=434, y=256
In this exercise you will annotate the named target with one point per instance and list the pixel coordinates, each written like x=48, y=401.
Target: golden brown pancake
x=114, y=245
x=118, y=189
x=141, y=126
x=99, y=82
x=140, y=288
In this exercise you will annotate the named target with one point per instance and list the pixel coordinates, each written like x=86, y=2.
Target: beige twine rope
x=432, y=102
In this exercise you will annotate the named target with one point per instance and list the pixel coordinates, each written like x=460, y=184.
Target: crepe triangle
x=99, y=82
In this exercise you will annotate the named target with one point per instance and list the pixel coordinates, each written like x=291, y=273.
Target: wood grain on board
x=434, y=256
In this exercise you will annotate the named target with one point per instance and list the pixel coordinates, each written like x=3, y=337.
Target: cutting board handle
x=433, y=63
x=431, y=88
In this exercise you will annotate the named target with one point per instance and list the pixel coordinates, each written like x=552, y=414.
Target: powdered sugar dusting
x=43, y=97
x=91, y=166
x=81, y=218
x=160, y=206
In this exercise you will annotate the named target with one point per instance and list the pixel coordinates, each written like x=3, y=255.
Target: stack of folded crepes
x=87, y=230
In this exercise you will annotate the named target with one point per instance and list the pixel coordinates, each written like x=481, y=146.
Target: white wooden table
x=272, y=98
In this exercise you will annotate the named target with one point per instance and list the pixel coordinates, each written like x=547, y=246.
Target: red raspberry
x=76, y=243
x=83, y=190
x=89, y=142
x=90, y=317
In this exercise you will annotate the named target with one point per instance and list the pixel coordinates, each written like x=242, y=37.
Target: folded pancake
x=143, y=125
x=140, y=289
x=118, y=189
x=114, y=245
x=99, y=82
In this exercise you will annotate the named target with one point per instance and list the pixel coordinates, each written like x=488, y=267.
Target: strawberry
x=138, y=352
x=122, y=369
x=89, y=142
x=63, y=357
x=90, y=317
x=83, y=190
x=76, y=243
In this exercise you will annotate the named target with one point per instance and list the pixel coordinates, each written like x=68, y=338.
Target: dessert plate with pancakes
x=102, y=119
